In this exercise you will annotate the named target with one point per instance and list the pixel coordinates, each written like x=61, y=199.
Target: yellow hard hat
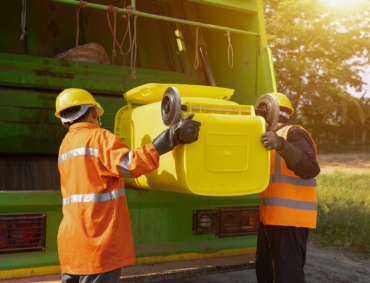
x=283, y=101
x=75, y=97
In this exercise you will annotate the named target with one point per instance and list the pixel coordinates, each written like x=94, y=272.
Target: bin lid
x=150, y=93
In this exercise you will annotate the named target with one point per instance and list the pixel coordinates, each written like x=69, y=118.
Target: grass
x=344, y=212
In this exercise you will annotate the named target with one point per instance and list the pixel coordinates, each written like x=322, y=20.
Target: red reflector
x=237, y=221
x=3, y=234
x=226, y=221
x=24, y=233
x=20, y=233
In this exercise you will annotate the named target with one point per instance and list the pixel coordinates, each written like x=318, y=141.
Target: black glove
x=184, y=132
x=291, y=154
x=271, y=140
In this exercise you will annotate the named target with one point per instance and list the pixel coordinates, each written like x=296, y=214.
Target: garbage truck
x=148, y=63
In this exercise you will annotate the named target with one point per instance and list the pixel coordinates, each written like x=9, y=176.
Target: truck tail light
x=237, y=221
x=226, y=221
x=22, y=233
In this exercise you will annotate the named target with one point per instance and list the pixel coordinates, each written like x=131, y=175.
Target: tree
x=319, y=51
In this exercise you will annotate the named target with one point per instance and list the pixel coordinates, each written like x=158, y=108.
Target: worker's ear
x=94, y=112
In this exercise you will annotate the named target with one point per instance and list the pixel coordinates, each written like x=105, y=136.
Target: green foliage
x=319, y=52
x=344, y=211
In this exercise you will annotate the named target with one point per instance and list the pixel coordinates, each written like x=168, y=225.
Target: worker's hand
x=186, y=130
x=271, y=140
x=267, y=127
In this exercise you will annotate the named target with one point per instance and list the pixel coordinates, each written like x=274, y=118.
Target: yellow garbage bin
x=228, y=158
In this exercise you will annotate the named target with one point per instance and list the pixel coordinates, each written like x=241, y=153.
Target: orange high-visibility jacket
x=95, y=234
x=288, y=200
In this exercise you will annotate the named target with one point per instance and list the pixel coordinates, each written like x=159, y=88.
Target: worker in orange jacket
x=95, y=237
x=288, y=207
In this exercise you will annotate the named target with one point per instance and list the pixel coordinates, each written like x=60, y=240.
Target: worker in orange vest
x=288, y=207
x=95, y=237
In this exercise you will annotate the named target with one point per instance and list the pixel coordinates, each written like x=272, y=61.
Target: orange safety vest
x=95, y=234
x=288, y=200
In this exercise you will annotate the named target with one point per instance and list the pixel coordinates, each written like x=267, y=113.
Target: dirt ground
x=328, y=265
x=324, y=265
x=352, y=162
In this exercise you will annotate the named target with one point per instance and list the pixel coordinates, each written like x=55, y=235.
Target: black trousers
x=107, y=277
x=281, y=254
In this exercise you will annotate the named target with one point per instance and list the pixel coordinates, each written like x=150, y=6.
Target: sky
x=366, y=78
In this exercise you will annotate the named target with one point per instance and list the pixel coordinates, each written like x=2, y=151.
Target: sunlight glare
x=335, y=2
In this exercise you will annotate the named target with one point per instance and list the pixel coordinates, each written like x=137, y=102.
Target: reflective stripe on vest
x=278, y=178
x=94, y=197
x=125, y=163
x=78, y=152
x=288, y=203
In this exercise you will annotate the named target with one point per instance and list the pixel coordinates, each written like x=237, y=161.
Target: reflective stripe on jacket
x=95, y=234
x=288, y=200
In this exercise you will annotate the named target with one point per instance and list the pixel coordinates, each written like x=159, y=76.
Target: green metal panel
x=162, y=222
x=28, y=123
x=49, y=73
x=48, y=202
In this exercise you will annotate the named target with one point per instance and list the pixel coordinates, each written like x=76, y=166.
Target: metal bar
x=164, y=18
x=207, y=66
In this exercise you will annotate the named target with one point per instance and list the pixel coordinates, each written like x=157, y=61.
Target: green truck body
x=197, y=42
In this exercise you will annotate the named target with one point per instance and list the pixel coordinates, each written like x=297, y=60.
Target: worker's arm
x=306, y=166
x=297, y=151
x=132, y=163
x=184, y=132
